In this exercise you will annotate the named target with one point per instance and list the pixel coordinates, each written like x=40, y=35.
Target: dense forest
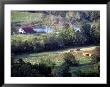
x=70, y=29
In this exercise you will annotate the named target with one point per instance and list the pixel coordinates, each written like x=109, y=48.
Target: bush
x=26, y=44
x=61, y=71
x=51, y=42
x=64, y=68
x=51, y=46
x=70, y=60
x=86, y=71
x=47, y=62
x=95, y=59
x=44, y=70
x=46, y=66
x=22, y=69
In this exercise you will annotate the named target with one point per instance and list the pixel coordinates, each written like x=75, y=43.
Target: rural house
x=21, y=31
x=26, y=30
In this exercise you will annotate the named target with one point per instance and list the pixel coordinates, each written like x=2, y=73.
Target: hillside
x=56, y=20
x=71, y=49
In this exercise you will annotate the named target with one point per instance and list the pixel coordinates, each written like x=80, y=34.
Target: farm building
x=21, y=31
x=26, y=30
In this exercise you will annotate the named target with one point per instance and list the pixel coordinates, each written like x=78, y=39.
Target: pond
x=46, y=30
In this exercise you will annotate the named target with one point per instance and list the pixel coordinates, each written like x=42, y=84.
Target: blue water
x=46, y=30
x=50, y=30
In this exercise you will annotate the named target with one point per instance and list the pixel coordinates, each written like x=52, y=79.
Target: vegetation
x=51, y=41
x=47, y=68
x=86, y=71
x=56, y=54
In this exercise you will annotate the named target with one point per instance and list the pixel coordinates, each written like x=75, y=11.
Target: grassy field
x=25, y=17
x=56, y=56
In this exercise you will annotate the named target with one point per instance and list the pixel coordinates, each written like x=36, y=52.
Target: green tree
x=86, y=31
x=67, y=36
x=79, y=39
x=95, y=33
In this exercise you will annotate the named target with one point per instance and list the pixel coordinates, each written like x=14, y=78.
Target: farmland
x=56, y=56
x=56, y=59
x=72, y=49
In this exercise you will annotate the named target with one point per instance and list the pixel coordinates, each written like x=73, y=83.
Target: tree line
x=53, y=41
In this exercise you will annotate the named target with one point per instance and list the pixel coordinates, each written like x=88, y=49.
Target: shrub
x=44, y=70
x=47, y=62
x=95, y=59
x=64, y=68
x=26, y=44
x=86, y=71
x=61, y=71
x=51, y=46
x=70, y=60
x=51, y=42
x=22, y=69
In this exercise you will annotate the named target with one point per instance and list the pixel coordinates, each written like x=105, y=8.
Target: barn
x=26, y=30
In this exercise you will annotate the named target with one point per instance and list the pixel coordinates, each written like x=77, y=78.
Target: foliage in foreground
x=69, y=68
